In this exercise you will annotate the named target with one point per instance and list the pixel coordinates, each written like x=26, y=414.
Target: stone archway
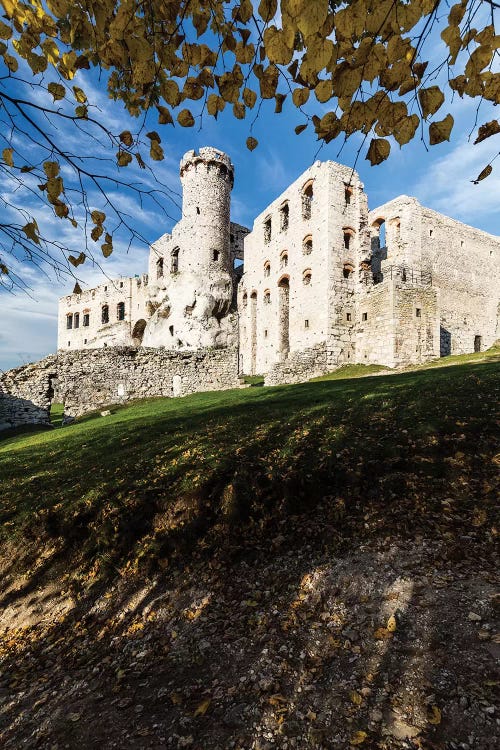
x=138, y=332
x=284, y=316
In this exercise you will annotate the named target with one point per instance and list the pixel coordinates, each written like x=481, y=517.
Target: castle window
x=267, y=297
x=306, y=277
x=84, y=341
x=430, y=232
x=171, y=329
x=174, y=262
x=105, y=314
x=396, y=224
x=461, y=243
x=105, y=288
x=245, y=299
x=284, y=259
x=265, y=333
x=306, y=324
x=284, y=217
x=198, y=210
x=69, y=321
x=348, y=237
x=347, y=270
x=267, y=268
x=76, y=320
x=86, y=320
x=121, y=284
x=307, y=245
x=215, y=255
x=364, y=316
x=378, y=235
x=69, y=343
x=120, y=311
x=159, y=268
x=307, y=199
x=348, y=316
x=418, y=312
x=267, y=231
x=347, y=193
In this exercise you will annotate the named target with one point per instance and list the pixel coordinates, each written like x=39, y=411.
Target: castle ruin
x=317, y=283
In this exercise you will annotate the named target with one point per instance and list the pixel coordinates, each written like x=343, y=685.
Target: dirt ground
x=284, y=638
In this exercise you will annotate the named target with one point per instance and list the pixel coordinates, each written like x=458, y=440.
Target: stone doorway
x=477, y=343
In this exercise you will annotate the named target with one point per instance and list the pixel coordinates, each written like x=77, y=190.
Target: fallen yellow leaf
x=434, y=715
x=203, y=707
x=358, y=738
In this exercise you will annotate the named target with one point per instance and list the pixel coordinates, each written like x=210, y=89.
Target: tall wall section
x=462, y=262
x=90, y=379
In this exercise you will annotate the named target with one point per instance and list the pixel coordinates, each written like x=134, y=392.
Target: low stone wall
x=90, y=379
x=299, y=366
x=25, y=393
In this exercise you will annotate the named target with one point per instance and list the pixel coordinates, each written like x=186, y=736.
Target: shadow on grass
x=318, y=494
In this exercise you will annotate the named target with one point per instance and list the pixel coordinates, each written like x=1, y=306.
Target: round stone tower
x=207, y=179
x=194, y=291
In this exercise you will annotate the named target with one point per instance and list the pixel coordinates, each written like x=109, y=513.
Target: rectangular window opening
x=364, y=316
x=418, y=312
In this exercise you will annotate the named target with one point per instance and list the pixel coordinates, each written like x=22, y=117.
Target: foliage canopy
x=367, y=66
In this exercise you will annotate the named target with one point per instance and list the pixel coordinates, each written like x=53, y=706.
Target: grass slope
x=131, y=485
x=221, y=571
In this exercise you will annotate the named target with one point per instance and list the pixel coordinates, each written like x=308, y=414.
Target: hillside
x=308, y=566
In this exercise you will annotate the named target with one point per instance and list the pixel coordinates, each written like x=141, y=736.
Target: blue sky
x=440, y=177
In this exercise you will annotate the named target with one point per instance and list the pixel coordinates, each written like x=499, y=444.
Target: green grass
x=253, y=380
x=351, y=371
x=162, y=474
x=56, y=414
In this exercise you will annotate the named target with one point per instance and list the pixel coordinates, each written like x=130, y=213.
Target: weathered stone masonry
x=88, y=380
x=324, y=283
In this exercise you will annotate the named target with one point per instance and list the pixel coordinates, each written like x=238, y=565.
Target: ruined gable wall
x=465, y=265
x=132, y=292
x=91, y=379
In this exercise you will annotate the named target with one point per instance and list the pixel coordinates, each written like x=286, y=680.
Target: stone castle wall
x=91, y=379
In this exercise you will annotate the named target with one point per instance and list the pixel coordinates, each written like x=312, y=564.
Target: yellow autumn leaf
x=7, y=156
x=80, y=95
x=185, y=118
x=98, y=217
x=76, y=261
x=252, y=143
x=440, y=131
x=123, y=158
x=126, y=137
x=51, y=168
x=57, y=90
x=31, y=232
x=487, y=130
x=249, y=97
x=430, y=100
x=356, y=698
x=378, y=151
x=51, y=51
x=324, y=91
x=434, y=715
x=483, y=174
x=358, y=738
x=300, y=96
x=156, y=151
x=203, y=707
x=392, y=624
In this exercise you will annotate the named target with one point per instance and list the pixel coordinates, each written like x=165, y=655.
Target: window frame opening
x=307, y=194
x=69, y=321
x=76, y=320
x=268, y=230
x=307, y=244
x=307, y=277
x=284, y=213
x=120, y=311
x=160, y=267
x=174, y=260
x=105, y=314
x=267, y=269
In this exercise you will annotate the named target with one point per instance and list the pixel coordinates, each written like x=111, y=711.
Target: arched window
x=284, y=216
x=306, y=277
x=69, y=321
x=349, y=234
x=395, y=225
x=245, y=299
x=267, y=268
x=267, y=297
x=347, y=193
x=307, y=245
x=86, y=318
x=105, y=314
x=307, y=199
x=120, y=311
x=76, y=320
x=215, y=255
x=174, y=260
x=378, y=234
x=347, y=270
x=284, y=259
x=159, y=268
